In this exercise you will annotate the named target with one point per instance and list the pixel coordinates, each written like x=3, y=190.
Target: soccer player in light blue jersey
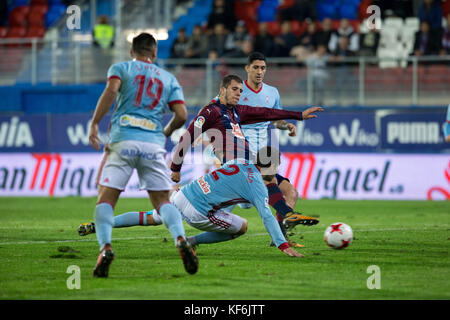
x=257, y=93
x=137, y=137
x=202, y=202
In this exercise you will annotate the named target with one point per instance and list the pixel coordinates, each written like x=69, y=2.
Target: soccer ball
x=338, y=235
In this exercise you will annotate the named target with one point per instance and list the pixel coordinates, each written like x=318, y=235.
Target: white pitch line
x=442, y=228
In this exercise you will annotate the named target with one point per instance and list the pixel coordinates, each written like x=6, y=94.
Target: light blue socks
x=171, y=218
x=104, y=222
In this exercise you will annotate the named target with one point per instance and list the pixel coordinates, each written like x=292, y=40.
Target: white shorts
x=120, y=158
x=220, y=221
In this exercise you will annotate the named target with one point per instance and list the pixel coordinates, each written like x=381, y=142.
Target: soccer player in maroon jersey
x=221, y=120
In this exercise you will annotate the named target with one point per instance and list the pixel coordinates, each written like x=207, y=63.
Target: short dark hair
x=144, y=44
x=267, y=156
x=227, y=80
x=255, y=56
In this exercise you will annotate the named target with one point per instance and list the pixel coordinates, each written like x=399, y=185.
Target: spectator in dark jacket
x=431, y=12
x=445, y=44
x=426, y=42
x=285, y=41
x=179, y=46
x=324, y=35
x=217, y=40
x=197, y=45
x=368, y=44
x=263, y=41
x=222, y=13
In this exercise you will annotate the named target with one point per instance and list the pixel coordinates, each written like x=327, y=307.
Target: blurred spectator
x=217, y=40
x=284, y=42
x=179, y=45
x=368, y=44
x=324, y=35
x=308, y=39
x=301, y=10
x=103, y=33
x=318, y=71
x=344, y=30
x=426, y=42
x=431, y=12
x=3, y=13
x=235, y=41
x=197, y=45
x=344, y=78
x=222, y=13
x=263, y=41
x=343, y=49
x=446, y=38
x=307, y=42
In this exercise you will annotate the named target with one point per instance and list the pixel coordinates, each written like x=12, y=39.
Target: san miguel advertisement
x=315, y=175
x=388, y=130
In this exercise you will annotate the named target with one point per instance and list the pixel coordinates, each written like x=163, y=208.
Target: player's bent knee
x=243, y=228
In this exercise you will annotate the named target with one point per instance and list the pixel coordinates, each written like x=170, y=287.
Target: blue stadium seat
x=325, y=10
x=348, y=11
x=17, y=3
x=267, y=12
x=53, y=14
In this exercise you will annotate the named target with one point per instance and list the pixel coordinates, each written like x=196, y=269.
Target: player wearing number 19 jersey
x=137, y=137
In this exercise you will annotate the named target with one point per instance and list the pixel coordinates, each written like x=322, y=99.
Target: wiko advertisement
x=365, y=131
x=315, y=175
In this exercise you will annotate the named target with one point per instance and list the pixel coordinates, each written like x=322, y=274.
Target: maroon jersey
x=222, y=124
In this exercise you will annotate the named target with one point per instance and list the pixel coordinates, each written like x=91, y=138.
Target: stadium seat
x=35, y=32
x=17, y=3
x=39, y=7
x=267, y=12
x=274, y=28
x=53, y=14
x=37, y=2
x=3, y=32
x=36, y=18
x=17, y=17
x=296, y=27
x=412, y=22
x=393, y=22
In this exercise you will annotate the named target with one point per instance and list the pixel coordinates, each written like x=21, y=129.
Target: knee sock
x=104, y=222
x=171, y=218
x=130, y=219
x=211, y=237
x=277, y=201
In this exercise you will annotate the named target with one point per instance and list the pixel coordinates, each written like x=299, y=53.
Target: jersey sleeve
x=250, y=115
x=257, y=194
x=277, y=104
x=176, y=93
x=116, y=71
x=202, y=122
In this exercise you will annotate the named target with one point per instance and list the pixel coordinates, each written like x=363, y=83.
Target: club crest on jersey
x=237, y=131
x=199, y=122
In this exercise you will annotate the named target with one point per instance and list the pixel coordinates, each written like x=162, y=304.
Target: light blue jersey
x=146, y=92
x=235, y=182
x=267, y=97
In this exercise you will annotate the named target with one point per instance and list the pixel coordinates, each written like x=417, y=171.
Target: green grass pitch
x=407, y=240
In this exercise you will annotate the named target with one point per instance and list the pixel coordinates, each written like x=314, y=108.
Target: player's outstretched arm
x=104, y=103
x=309, y=113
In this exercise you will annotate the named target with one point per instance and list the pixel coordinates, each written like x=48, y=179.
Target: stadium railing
x=353, y=81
